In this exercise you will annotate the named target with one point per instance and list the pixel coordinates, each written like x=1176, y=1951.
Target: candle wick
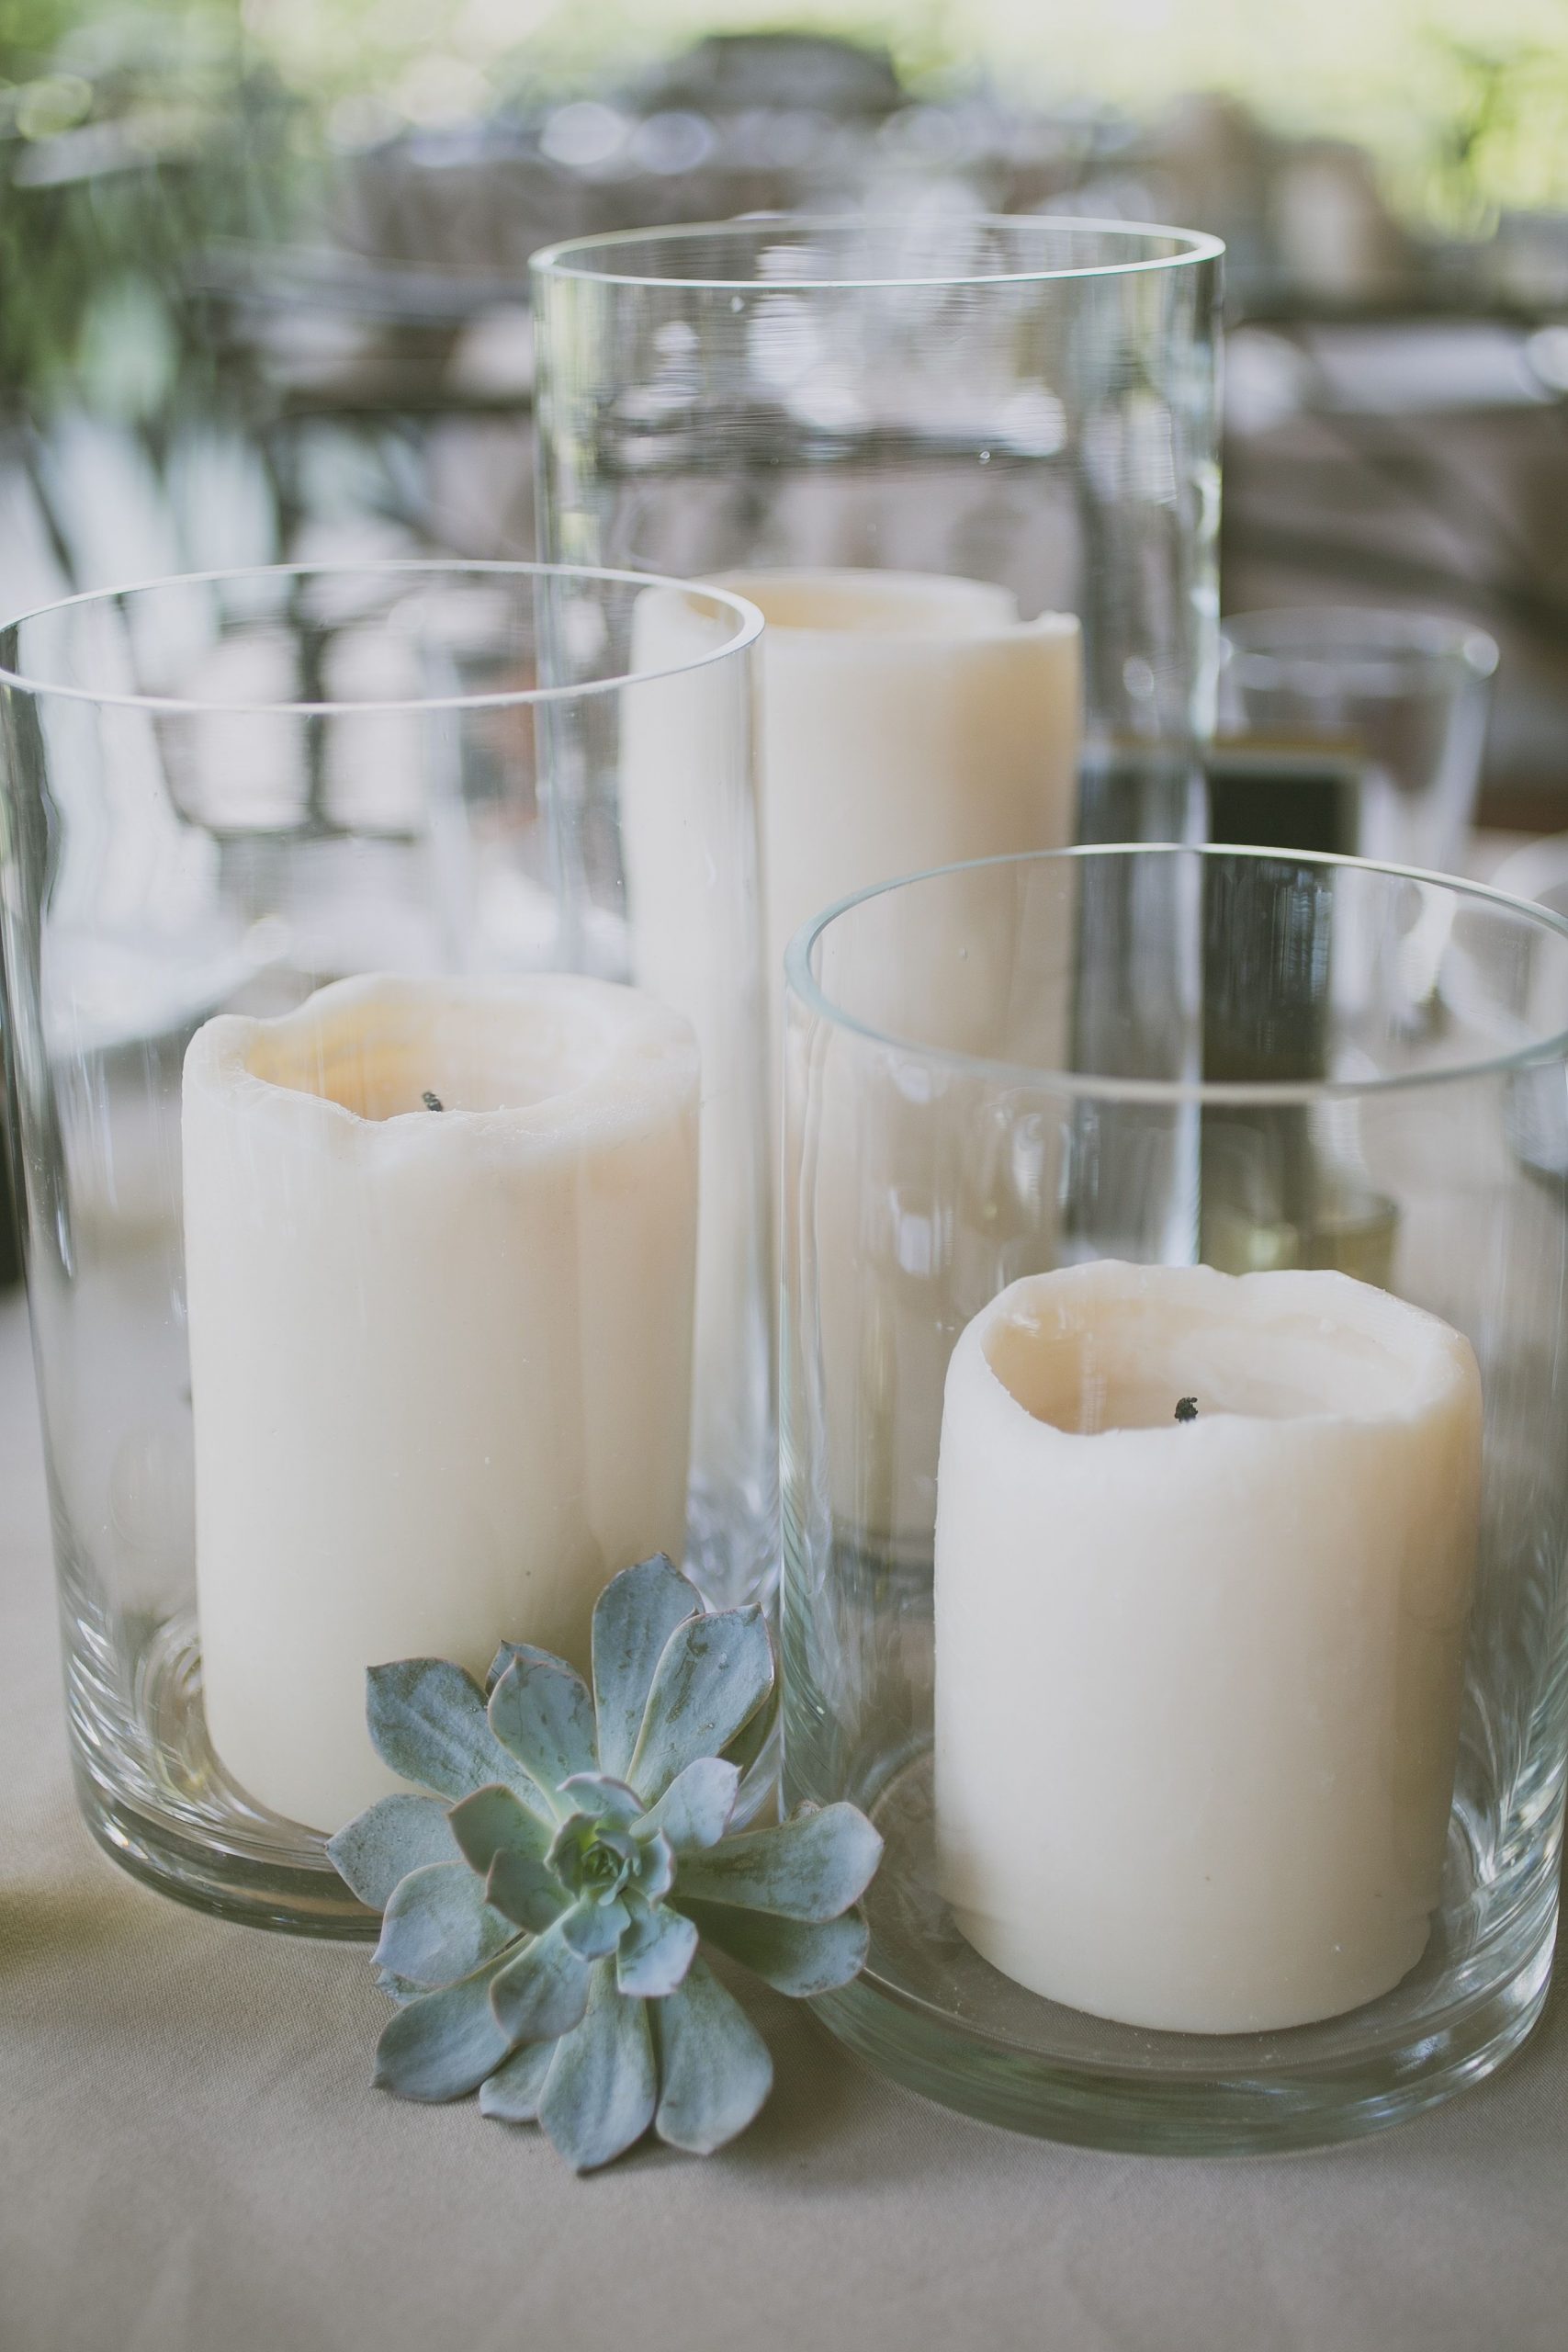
x=1187, y=1408
x=432, y=1102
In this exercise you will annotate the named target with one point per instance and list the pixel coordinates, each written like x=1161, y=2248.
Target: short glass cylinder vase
x=388, y=1060
x=1174, y=1488
x=968, y=471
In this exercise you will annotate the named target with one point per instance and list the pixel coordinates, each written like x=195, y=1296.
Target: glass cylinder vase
x=1175, y=1497
x=967, y=469
x=388, y=1060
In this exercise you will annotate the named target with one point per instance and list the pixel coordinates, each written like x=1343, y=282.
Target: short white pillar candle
x=1198, y=1680
x=440, y=1359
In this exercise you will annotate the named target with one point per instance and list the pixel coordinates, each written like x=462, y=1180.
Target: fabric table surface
x=192, y=2159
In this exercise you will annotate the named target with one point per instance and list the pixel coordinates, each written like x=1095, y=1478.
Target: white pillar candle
x=909, y=721
x=1198, y=1682
x=440, y=1359
x=690, y=848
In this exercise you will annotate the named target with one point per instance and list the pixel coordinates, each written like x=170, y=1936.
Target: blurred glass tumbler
x=383, y=1345
x=1389, y=710
x=1193, y=1633
x=968, y=473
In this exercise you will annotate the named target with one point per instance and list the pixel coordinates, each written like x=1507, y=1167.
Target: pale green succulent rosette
x=542, y=1909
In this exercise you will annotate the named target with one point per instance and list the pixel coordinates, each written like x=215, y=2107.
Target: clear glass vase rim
x=802, y=984
x=1371, y=632
x=749, y=631
x=566, y=257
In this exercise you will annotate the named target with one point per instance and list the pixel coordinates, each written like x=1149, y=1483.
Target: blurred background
x=263, y=269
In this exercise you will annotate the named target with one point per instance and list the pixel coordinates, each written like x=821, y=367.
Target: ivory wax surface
x=909, y=721
x=440, y=1361
x=1198, y=1683
x=689, y=845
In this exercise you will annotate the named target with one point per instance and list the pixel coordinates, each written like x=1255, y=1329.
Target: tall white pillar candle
x=440, y=1359
x=909, y=721
x=690, y=848
x=1198, y=1681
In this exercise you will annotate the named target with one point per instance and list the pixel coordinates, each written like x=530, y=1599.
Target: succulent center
x=593, y=1859
x=603, y=1871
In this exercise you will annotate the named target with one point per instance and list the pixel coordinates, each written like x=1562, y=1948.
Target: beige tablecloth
x=191, y=2159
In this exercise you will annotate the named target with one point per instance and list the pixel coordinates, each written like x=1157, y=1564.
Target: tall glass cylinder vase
x=1175, y=1494
x=967, y=470
x=388, y=1056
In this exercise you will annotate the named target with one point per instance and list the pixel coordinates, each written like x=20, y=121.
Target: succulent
x=542, y=1911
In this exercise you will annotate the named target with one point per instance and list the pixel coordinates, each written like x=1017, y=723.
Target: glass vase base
x=157, y=1800
x=1240, y=2115
x=931, y=2014
x=201, y=1871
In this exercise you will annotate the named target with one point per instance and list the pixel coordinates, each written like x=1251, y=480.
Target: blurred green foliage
x=130, y=138
x=1464, y=102
x=1498, y=129
x=132, y=133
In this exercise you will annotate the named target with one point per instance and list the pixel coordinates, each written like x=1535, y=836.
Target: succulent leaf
x=714, y=2067
x=439, y=1927
x=442, y=2045
x=654, y=1875
x=695, y=1808
x=507, y=1652
x=493, y=1821
x=542, y=1993
x=632, y=1620
x=607, y=1800
x=524, y=1888
x=398, y=1988
x=542, y=1715
x=512, y=2093
x=713, y=1674
x=593, y=1929
x=600, y=2095
x=800, y=1957
x=753, y=1735
x=811, y=1866
x=380, y=1846
x=427, y=1721
x=655, y=1953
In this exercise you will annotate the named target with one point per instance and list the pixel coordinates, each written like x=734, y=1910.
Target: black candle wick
x=1187, y=1408
x=432, y=1102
